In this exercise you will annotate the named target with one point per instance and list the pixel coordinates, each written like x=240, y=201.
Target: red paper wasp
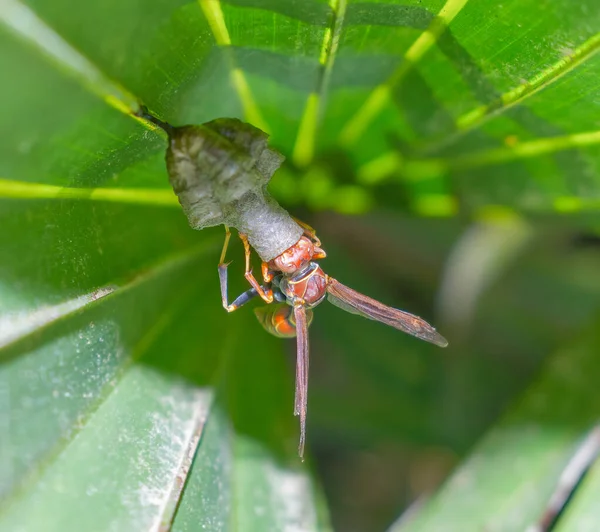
x=298, y=284
x=220, y=170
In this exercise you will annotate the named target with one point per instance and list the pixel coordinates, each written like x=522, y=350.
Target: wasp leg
x=242, y=299
x=246, y=296
x=311, y=234
x=265, y=294
x=263, y=291
x=308, y=231
x=225, y=245
x=267, y=274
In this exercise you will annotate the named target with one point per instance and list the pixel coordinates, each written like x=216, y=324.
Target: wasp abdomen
x=279, y=319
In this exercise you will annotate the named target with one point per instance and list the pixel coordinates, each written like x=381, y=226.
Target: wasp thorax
x=315, y=288
x=308, y=285
x=295, y=257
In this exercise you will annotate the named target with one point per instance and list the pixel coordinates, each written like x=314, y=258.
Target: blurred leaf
x=582, y=514
x=403, y=411
x=373, y=382
x=507, y=481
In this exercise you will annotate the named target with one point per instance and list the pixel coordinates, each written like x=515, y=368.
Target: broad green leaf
x=430, y=99
x=116, y=398
x=144, y=430
x=57, y=374
x=118, y=363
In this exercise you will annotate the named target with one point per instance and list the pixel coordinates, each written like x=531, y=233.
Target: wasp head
x=296, y=257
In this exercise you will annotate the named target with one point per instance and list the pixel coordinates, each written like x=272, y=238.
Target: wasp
x=294, y=284
x=220, y=171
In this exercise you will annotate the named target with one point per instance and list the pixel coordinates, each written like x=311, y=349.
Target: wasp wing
x=300, y=403
x=357, y=303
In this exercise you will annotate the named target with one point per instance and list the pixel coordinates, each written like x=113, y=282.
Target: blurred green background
x=448, y=154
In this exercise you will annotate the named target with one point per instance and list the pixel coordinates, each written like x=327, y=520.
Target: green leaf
x=59, y=373
x=109, y=392
x=132, y=401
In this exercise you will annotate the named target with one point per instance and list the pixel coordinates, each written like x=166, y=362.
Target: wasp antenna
x=147, y=115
